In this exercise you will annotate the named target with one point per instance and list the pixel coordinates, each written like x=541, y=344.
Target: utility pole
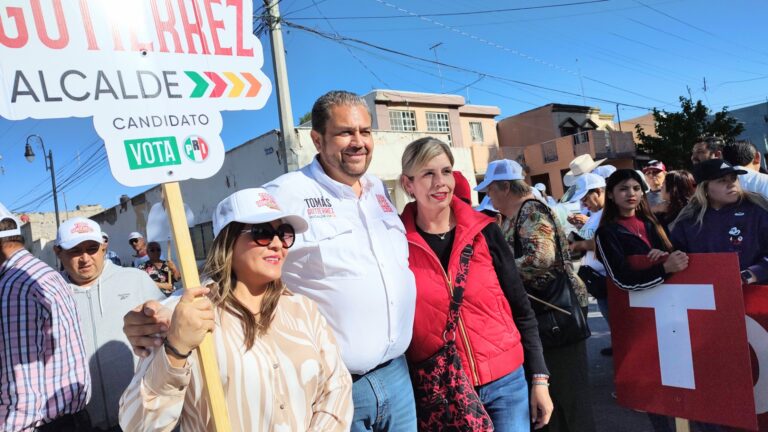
x=439, y=72
x=288, y=141
x=618, y=116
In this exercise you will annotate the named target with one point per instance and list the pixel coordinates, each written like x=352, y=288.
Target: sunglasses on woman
x=263, y=234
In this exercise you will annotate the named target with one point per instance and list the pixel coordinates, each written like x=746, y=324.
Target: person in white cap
x=110, y=255
x=581, y=164
x=542, y=188
x=281, y=366
x=139, y=245
x=590, y=193
x=44, y=379
x=536, y=236
x=654, y=173
x=352, y=261
x=103, y=293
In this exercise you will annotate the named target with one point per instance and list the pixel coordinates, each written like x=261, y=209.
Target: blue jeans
x=506, y=401
x=383, y=400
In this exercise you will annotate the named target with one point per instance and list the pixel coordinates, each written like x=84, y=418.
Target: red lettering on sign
x=193, y=28
x=90, y=35
x=42, y=32
x=166, y=26
x=238, y=4
x=214, y=26
x=17, y=14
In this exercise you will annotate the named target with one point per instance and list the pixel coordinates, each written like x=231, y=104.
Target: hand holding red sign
x=680, y=349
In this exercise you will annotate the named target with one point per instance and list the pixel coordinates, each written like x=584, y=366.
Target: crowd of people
x=352, y=329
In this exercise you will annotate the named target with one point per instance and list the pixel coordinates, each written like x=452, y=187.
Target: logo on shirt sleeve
x=384, y=203
x=318, y=208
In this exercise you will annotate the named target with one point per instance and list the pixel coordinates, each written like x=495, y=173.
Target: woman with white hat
x=278, y=359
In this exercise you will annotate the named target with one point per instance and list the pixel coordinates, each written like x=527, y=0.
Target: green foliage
x=305, y=118
x=679, y=131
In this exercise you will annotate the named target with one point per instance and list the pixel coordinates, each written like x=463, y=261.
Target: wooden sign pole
x=682, y=425
x=174, y=206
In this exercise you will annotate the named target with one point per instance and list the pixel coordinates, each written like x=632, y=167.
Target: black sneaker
x=608, y=352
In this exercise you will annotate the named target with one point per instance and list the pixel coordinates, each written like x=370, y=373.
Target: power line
x=338, y=38
x=453, y=13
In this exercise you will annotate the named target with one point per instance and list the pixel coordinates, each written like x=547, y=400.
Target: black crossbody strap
x=458, y=289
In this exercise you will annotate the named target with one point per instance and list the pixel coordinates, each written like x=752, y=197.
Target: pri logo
x=266, y=200
x=81, y=228
x=196, y=148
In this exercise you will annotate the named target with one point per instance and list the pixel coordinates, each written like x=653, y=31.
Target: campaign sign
x=680, y=349
x=756, y=305
x=154, y=75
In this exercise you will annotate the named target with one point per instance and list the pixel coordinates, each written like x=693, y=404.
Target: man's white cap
x=77, y=230
x=604, y=171
x=503, y=169
x=485, y=204
x=541, y=187
x=646, y=187
x=585, y=183
x=5, y=214
x=580, y=165
x=253, y=206
x=134, y=235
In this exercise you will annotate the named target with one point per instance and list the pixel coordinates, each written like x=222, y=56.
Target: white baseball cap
x=604, y=171
x=5, y=214
x=503, y=169
x=485, y=204
x=585, y=183
x=77, y=230
x=134, y=235
x=253, y=206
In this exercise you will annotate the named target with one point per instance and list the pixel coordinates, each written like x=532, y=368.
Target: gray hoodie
x=101, y=307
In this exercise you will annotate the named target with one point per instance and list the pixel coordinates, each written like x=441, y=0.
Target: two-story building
x=546, y=139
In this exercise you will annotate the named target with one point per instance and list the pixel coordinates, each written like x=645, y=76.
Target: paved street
x=609, y=416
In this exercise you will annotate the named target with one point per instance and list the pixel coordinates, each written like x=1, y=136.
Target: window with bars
x=438, y=122
x=202, y=239
x=402, y=121
x=476, y=131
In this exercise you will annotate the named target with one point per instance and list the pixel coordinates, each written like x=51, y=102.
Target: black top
x=441, y=244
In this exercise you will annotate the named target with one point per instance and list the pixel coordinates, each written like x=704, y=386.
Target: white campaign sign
x=671, y=303
x=154, y=74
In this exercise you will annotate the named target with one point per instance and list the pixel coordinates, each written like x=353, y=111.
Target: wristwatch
x=746, y=275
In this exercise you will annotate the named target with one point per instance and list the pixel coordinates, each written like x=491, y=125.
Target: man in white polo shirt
x=352, y=261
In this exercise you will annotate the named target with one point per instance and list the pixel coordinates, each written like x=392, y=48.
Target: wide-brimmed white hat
x=5, y=214
x=580, y=165
x=77, y=230
x=253, y=206
x=604, y=171
x=502, y=169
x=585, y=183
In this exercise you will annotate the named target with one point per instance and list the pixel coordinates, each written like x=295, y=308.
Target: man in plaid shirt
x=44, y=380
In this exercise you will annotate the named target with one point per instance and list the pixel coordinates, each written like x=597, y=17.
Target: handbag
x=445, y=398
x=595, y=282
x=566, y=322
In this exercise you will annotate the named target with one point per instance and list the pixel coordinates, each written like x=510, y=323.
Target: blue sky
x=640, y=53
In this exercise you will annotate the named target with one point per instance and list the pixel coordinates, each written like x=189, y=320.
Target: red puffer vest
x=487, y=339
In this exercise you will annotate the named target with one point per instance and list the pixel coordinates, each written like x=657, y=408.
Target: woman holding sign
x=722, y=217
x=629, y=228
x=280, y=366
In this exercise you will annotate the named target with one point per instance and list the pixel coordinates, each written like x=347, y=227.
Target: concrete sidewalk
x=609, y=416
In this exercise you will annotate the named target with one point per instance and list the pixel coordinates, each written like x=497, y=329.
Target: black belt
x=79, y=421
x=356, y=377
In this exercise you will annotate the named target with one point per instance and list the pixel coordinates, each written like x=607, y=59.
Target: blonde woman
x=278, y=359
x=497, y=327
x=722, y=217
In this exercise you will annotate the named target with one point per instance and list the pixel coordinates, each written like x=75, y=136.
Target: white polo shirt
x=754, y=181
x=353, y=262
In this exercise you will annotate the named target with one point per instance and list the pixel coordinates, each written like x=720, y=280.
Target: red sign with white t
x=756, y=304
x=680, y=349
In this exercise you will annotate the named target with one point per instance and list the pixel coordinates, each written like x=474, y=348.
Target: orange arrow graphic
x=255, y=84
x=237, y=84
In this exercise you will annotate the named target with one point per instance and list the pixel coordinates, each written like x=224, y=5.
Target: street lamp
x=29, y=155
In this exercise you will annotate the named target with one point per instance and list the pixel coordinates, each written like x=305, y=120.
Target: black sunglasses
x=263, y=234
x=132, y=241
